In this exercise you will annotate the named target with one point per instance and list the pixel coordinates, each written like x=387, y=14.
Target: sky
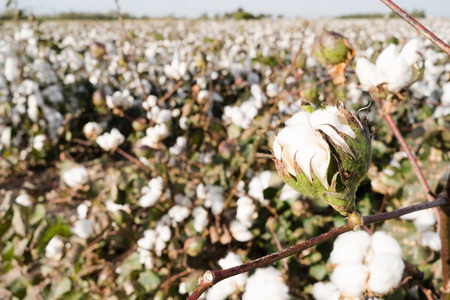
x=194, y=8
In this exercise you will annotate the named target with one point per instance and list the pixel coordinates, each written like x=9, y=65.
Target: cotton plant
x=120, y=101
x=266, y=284
x=83, y=227
x=76, y=176
x=224, y=289
x=425, y=222
x=213, y=197
x=324, y=154
x=396, y=69
x=363, y=264
x=110, y=141
x=54, y=248
x=152, y=192
x=244, y=114
x=92, y=130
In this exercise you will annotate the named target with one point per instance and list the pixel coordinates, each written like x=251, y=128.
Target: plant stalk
x=419, y=27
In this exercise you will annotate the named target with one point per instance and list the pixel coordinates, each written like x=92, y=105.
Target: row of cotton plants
x=130, y=159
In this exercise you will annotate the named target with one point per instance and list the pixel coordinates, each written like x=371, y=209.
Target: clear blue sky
x=194, y=8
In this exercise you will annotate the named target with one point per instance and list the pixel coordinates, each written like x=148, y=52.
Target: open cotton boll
x=328, y=118
x=315, y=152
x=246, y=211
x=83, y=228
x=110, y=141
x=326, y=291
x=266, y=284
x=381, y=242
x=350, y=247
x=410, y=51
x=400, y=75
x=431, y=240
x=214, y=198
x=240, y=232
x=148, y=240
x=24, y=200
x=54, y=248
x=200, y=218
x=75, y=176
x=350, y=278
x=152, y=192
x=178, y=214
x=225, y=288
x=258, y=184
x=387, y=58
x=221, y=291
x=386, y=270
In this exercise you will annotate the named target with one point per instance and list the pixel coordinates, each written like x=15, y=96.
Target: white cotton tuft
x=350, y=278
x=350, y=247
x=386, y=271
x=225, y=288
x=383, y=243
x=266, y=284
x=83, y=228
x=431, y=240
x=240, y=232
x=200, y=218
x=326, y=291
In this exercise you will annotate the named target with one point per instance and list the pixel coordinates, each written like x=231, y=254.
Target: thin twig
x=419, y=27
x=354, y=221
x=130, y=158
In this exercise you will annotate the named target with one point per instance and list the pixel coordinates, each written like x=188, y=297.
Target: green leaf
x=318, y=272
x=62, y=287
x=149, y=280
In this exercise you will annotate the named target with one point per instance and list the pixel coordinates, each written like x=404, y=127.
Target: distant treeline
x=239, y=14
x=414, y=14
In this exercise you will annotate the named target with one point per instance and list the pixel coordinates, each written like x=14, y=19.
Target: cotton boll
x=266, y=284
x=326, y=291
x=178, y=214
x=350, y=247
x=386, y=270
x=24, y=200
x=200, y=218
x=258, y=184
x=240, y=232
x=214, y=198
x=387, y=58
x=410, y=51
x=75, y=176
x=152, y=192
x=383, y=243
x=113, y=207
x=400, y=75
x=83, y=228
x=148, y=240
x=221, y=291
x=431, y=240
x=288, y=193
x=425, y=220
x=350, y=278
x=246, y=211
x=110, y=141
x=54, y=248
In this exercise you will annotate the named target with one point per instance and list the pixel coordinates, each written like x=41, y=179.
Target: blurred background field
x=129, y=150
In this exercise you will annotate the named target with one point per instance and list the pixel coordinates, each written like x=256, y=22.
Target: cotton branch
x=355, y=221
x=419, y=27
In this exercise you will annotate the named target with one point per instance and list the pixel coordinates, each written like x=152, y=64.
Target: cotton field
x=135, y=158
